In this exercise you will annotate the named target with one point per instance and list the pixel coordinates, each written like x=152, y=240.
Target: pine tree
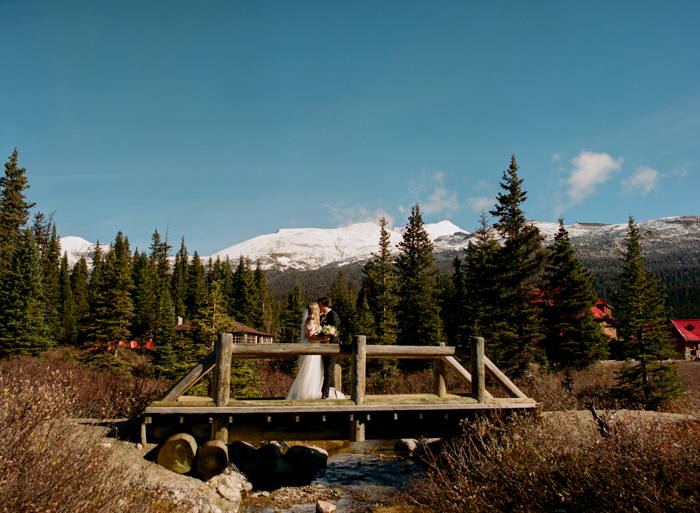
x=179, y=281
x=79, y=293
x=265, y=321
x=380, y=288
x=22, y=326
x=47, y=242
x=245, y=303
x=521, y=260
x=196, y=297
x=417, y=309
x=69, y=326
x=88, y=324
x=642, y=330
x=343, y=297
x=14, y=210
x=111, y=305
x=290, y=329
x=572, y=336
x=481, y=315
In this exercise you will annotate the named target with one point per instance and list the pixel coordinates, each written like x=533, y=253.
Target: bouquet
x=328, y=330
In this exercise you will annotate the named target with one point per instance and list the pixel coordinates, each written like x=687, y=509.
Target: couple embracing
x=316, y=375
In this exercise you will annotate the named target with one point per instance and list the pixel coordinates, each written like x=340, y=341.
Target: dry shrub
x=652, y=467
x=96, y=394
x=274, y=382
x=49, y=462
x=689, y=379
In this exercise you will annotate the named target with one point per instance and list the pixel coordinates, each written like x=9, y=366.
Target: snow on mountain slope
x=312, y=248
x=75, y=247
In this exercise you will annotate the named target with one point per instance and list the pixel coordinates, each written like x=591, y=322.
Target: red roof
x=689, y=329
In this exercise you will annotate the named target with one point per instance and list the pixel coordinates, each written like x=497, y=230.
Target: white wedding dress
x=309, y=380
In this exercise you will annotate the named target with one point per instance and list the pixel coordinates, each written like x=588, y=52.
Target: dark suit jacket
x=333, y=319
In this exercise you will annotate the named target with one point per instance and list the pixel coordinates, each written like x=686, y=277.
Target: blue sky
x=227, y=120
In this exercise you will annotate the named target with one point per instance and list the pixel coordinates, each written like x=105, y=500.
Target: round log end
x=212, y=459
x=178, y=452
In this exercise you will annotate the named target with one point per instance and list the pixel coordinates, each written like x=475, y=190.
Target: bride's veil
x=303, y=327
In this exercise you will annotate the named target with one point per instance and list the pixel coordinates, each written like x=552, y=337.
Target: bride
x=309, y=380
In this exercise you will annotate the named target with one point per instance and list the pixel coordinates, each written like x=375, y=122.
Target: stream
x=365, y=474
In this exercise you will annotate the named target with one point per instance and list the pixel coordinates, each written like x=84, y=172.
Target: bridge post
x=439, y=386
x=221, y=386
x=478, y=372
x=357, y=386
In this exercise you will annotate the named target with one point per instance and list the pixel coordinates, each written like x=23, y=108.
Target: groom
x=329, y=317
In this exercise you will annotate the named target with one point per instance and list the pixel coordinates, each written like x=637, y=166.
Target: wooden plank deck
x=412, y=402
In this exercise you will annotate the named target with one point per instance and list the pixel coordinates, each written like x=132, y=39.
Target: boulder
x=268, y=454
x=244, y=457
x=406, y=445
x=306, y=459
x=324, y=507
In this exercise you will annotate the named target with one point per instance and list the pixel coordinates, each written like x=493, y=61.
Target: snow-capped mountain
x=75, y=247
x=313, y=248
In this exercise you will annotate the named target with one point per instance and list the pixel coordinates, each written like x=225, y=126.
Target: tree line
x=530, y=303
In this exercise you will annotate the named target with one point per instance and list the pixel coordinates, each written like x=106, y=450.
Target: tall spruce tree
x=14, y=210
x=89, y=324
x=417, y=309
x=22, y=326
x=196, y=297
x=69, y=326
x=344, y=298
x=47, y=242
x=642, y=330
x=379, y=285
x=521, y=260
x=481, y=316
x=265, y=321
x=245, y=303
x=290, y=329
x=112, y=304
x=572, y=339
x=79, y=293
x=179, y=281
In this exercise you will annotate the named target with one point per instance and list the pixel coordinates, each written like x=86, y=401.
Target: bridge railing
x=443, y=356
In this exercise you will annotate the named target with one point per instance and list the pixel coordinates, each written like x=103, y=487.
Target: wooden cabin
x=686, y=332
x=243, y=334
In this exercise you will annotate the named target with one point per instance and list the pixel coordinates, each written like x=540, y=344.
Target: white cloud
x=480, y=203
x=347, y=215
x=683, y=170
x=591, y=169
x=643, y=181
x=441, y=200
x=557, y=157
x=482, y=184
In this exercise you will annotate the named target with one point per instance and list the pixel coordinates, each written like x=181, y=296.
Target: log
x=221, y=387
x=478, y=374
x=439, y=385
x=459, y=369
x=212, y=459
x=191, y=378
x=177, y=453
x=502, y=379
x=359, y=364
x=260, y=351
x=338, y=377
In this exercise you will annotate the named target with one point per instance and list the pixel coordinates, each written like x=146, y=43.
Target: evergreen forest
x=530, y=302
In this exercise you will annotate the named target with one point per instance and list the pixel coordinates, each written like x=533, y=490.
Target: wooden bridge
x=357, y=418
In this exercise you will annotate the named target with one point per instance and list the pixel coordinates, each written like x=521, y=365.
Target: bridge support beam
x=439, y=386
x=478, y=372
